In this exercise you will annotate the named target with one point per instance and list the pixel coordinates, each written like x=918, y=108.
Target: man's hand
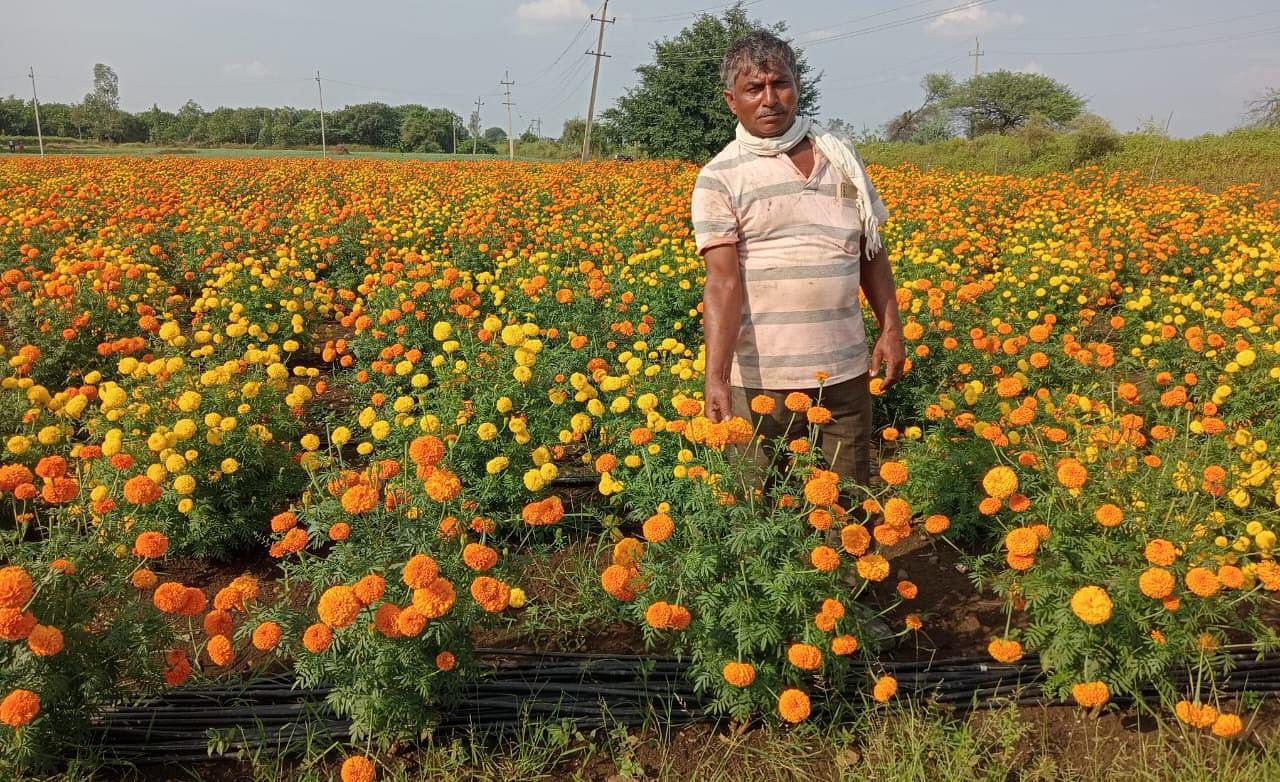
x=890, y=353
x=718, y=400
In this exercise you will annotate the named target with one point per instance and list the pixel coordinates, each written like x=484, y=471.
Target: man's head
x=760, y=83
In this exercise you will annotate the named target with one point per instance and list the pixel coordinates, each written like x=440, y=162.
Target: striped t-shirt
x=798, y=250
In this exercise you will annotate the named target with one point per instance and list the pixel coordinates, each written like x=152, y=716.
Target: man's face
x=764, y=100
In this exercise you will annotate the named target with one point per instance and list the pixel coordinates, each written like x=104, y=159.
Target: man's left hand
x=890, y=352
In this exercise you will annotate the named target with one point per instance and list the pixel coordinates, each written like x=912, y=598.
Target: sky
x=1191, y=64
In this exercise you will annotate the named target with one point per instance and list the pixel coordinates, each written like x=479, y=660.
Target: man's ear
x=728, y=99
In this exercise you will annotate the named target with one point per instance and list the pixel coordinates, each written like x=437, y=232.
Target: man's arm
x=882, y=295
x=722, y=320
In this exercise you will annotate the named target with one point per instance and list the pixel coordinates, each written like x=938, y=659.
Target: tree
x=574, y=133
x=16, y=117
x=495, y=135
x=103, y=104
x=375, y=124
x=678, y=109
x=1264, y=112
x=928, y=122
x=1005, y=100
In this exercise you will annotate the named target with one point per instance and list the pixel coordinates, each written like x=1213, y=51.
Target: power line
x=595, y=77
x=1150, y=47
x=560, y=57
x=686, y=14
x=1130, y=34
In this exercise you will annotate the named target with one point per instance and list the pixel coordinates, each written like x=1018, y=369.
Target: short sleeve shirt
x=798, y=241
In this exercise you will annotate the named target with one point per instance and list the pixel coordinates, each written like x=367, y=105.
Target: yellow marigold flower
x=1000, y=482
x=886, y=687
x=1091, y=605
x=1005, y=650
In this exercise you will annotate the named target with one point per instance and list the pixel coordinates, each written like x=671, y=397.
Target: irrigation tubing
x=276, y=714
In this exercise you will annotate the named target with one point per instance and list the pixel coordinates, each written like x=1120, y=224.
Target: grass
x=905, y=745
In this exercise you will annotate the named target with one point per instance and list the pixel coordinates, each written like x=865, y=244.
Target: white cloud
x=253, y=70
x=972, y=21
x=546, y=11
x=1031, y=67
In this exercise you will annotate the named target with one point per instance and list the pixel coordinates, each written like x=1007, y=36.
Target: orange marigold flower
x=658, y=527
x=844, y=645
x=1156, y=583
x=820, y=519
x=410, y=623
x=217, y=622
x=338, y=606
x=170, y=597
x=1231, y=576
x=873, y=567
x=855, y=539
x=798, y=446
x=1195, y=714
x=19, y=708
x=797, y=402
x=434, y=600
x=543, y=512
x=369, y=589
x=360, y=498
x=1091, y=604
x=617, y=581
x=16, y=624
x=151, y=545
x=491, y=594
x=446, y=661
x=937, y=524
x=1005, y=650
x=1160, y=552
x=176, y=667
x=628, y=552
x=1108, y=515
x=1090, y=694
x=894, y=473
x=63, y=566
x=688, y=408
x=793, y=706
x=913, y=622
x=442, y=485
x=1202, y=582
x=478, y=556
x=426, y=451
x=44, y=641
x=1071, y=473
x=1000, y=482
x=897, y=512
x=908, y=590
x=824, y=558
x=989, y=506
x=420, y=571
x=739, y=674
x=141, y=490
x=1022, y=541
x=16, y=587
x=804, y=656
x=1227, y=726
x=889, y=535
x=317, y=638
x=658, y=615
x=284, y=521
x=886, y=687
x=266, y=636
x=143, y=578
x=821, y=491
x=818, y=415
x=219, y=650
x=357, y=768
x=763, y=404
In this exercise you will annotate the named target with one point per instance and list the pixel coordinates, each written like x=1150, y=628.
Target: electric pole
x=453, y=126
x=475, y=127
x=975, y=54
x=595, y=77
x=511, y=142
x=35, y=101
x=324, y=148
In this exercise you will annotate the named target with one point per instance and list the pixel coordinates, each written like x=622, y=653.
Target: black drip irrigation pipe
x=276, y=715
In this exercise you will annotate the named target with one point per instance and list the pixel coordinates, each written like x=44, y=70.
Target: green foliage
x=1002, y=101
x=678, y=109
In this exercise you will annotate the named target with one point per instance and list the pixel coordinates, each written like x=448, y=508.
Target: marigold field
x=386, y=376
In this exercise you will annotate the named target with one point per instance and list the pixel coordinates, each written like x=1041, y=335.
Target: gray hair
x=755, y=51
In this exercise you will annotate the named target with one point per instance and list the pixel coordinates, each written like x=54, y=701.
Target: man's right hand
x=718, y=400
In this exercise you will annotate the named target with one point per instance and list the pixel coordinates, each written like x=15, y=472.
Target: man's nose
x=770, y=95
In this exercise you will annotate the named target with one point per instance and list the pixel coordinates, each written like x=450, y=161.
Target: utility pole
x=35, y=101
x=475, y=127
x=453, y=126
x=595, y=77
x=324, y=148
x=511, y=142
x=975, y=54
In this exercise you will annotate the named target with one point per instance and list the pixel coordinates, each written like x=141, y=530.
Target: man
x=787, y=223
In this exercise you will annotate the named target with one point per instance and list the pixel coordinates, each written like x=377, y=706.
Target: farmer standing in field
x=788, y=224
